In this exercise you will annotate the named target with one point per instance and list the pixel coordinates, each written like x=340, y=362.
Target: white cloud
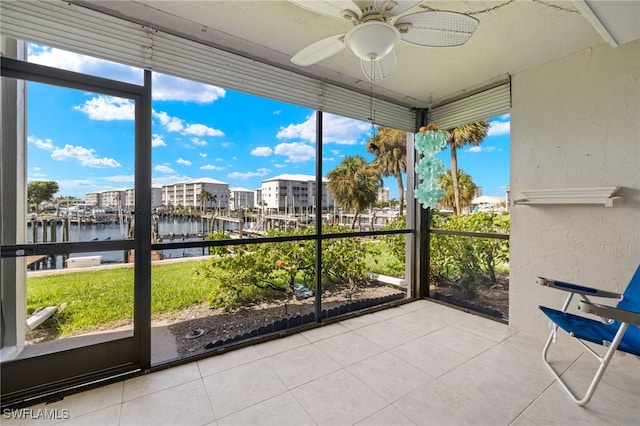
x=165, y=88
x=198, y=141
x=337, y=129
x=157, y=140
x=344, y=131
x=171, y=124
x=262, y=151
x=58, y=58
x=175, y=124
x=201, y=130
x=83, y=155
x=499, y=127
x=46, y=144
x=480, y=148
x=120, y=178
x=161, y=168
x=106, y=108
x=212, y=167
x=335, y=152
x=226, y=144
x=166, y=180
x=296, y=151
x=277, y=112
x=247, y=175
x=203, y=154
x=279, y=166
x=77, y=186
x=219, y=160
x=305, y=130
x=183, y=161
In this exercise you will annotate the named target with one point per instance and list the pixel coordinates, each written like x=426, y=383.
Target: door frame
x=31, y=378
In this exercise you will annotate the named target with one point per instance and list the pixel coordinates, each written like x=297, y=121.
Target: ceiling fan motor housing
x=372, y=40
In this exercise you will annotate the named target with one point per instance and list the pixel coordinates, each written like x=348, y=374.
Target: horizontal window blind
x=81, y=30
x=480, y=106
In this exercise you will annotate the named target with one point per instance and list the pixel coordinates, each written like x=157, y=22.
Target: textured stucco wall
x=575, y=122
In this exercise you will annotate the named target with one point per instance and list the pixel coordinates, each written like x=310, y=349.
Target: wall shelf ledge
x=603, y=196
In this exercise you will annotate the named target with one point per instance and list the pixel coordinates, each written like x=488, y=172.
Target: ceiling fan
x=379, y=25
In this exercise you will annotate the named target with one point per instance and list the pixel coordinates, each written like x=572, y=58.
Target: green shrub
x=397, y=242
x=344, y=263
x=269, y=271
x=458, y=258
x=218, y=235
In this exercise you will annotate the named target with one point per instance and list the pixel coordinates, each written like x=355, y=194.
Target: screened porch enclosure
x=568, y=132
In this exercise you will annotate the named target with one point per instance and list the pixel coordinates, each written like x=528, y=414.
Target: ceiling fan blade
x=331, y=8
x=319, y=50
x=402, y=7
x=436, y=28
x=382, y=68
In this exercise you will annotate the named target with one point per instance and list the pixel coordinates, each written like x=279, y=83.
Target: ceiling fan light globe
x=372, y=40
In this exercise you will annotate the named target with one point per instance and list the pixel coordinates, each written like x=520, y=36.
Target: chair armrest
x=609, y=312
x=574, y=288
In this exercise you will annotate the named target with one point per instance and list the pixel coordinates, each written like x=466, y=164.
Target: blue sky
x=84, y=141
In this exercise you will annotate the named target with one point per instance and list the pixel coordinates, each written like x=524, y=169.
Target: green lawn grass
x=102, y=298
x=92, y=299
x=384, y=262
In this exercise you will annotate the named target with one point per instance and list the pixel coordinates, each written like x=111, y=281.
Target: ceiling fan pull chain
x=372, y=113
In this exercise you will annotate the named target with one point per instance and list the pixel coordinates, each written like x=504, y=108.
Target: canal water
x=172, y=229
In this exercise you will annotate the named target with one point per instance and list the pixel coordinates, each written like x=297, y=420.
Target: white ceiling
x=512, y=36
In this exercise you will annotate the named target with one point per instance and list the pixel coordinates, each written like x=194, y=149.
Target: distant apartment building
x=113, y=197
x=130, y=199
x=241, y=198
x=186, y=194
x=109, y=197
x=92, y=198
x=293, y=192
x=383, y=195
x=156, y=197
x=258, y=197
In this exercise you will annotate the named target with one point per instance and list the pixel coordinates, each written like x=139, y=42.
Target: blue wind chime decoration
x=428, y=142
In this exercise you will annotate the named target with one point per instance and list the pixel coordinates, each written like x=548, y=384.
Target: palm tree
x=354, y=184
x=466, y=192
x=390, y=148
x=467, y=134
x=204, y=196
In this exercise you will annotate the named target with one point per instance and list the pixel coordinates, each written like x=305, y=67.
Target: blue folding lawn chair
x=617, y=329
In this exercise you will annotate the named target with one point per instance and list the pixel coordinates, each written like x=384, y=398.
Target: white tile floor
x=417, y=364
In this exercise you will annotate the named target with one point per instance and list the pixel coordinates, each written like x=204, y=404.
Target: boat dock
x=36, y=262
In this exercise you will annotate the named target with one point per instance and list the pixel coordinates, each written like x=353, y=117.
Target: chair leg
x=604, y=362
